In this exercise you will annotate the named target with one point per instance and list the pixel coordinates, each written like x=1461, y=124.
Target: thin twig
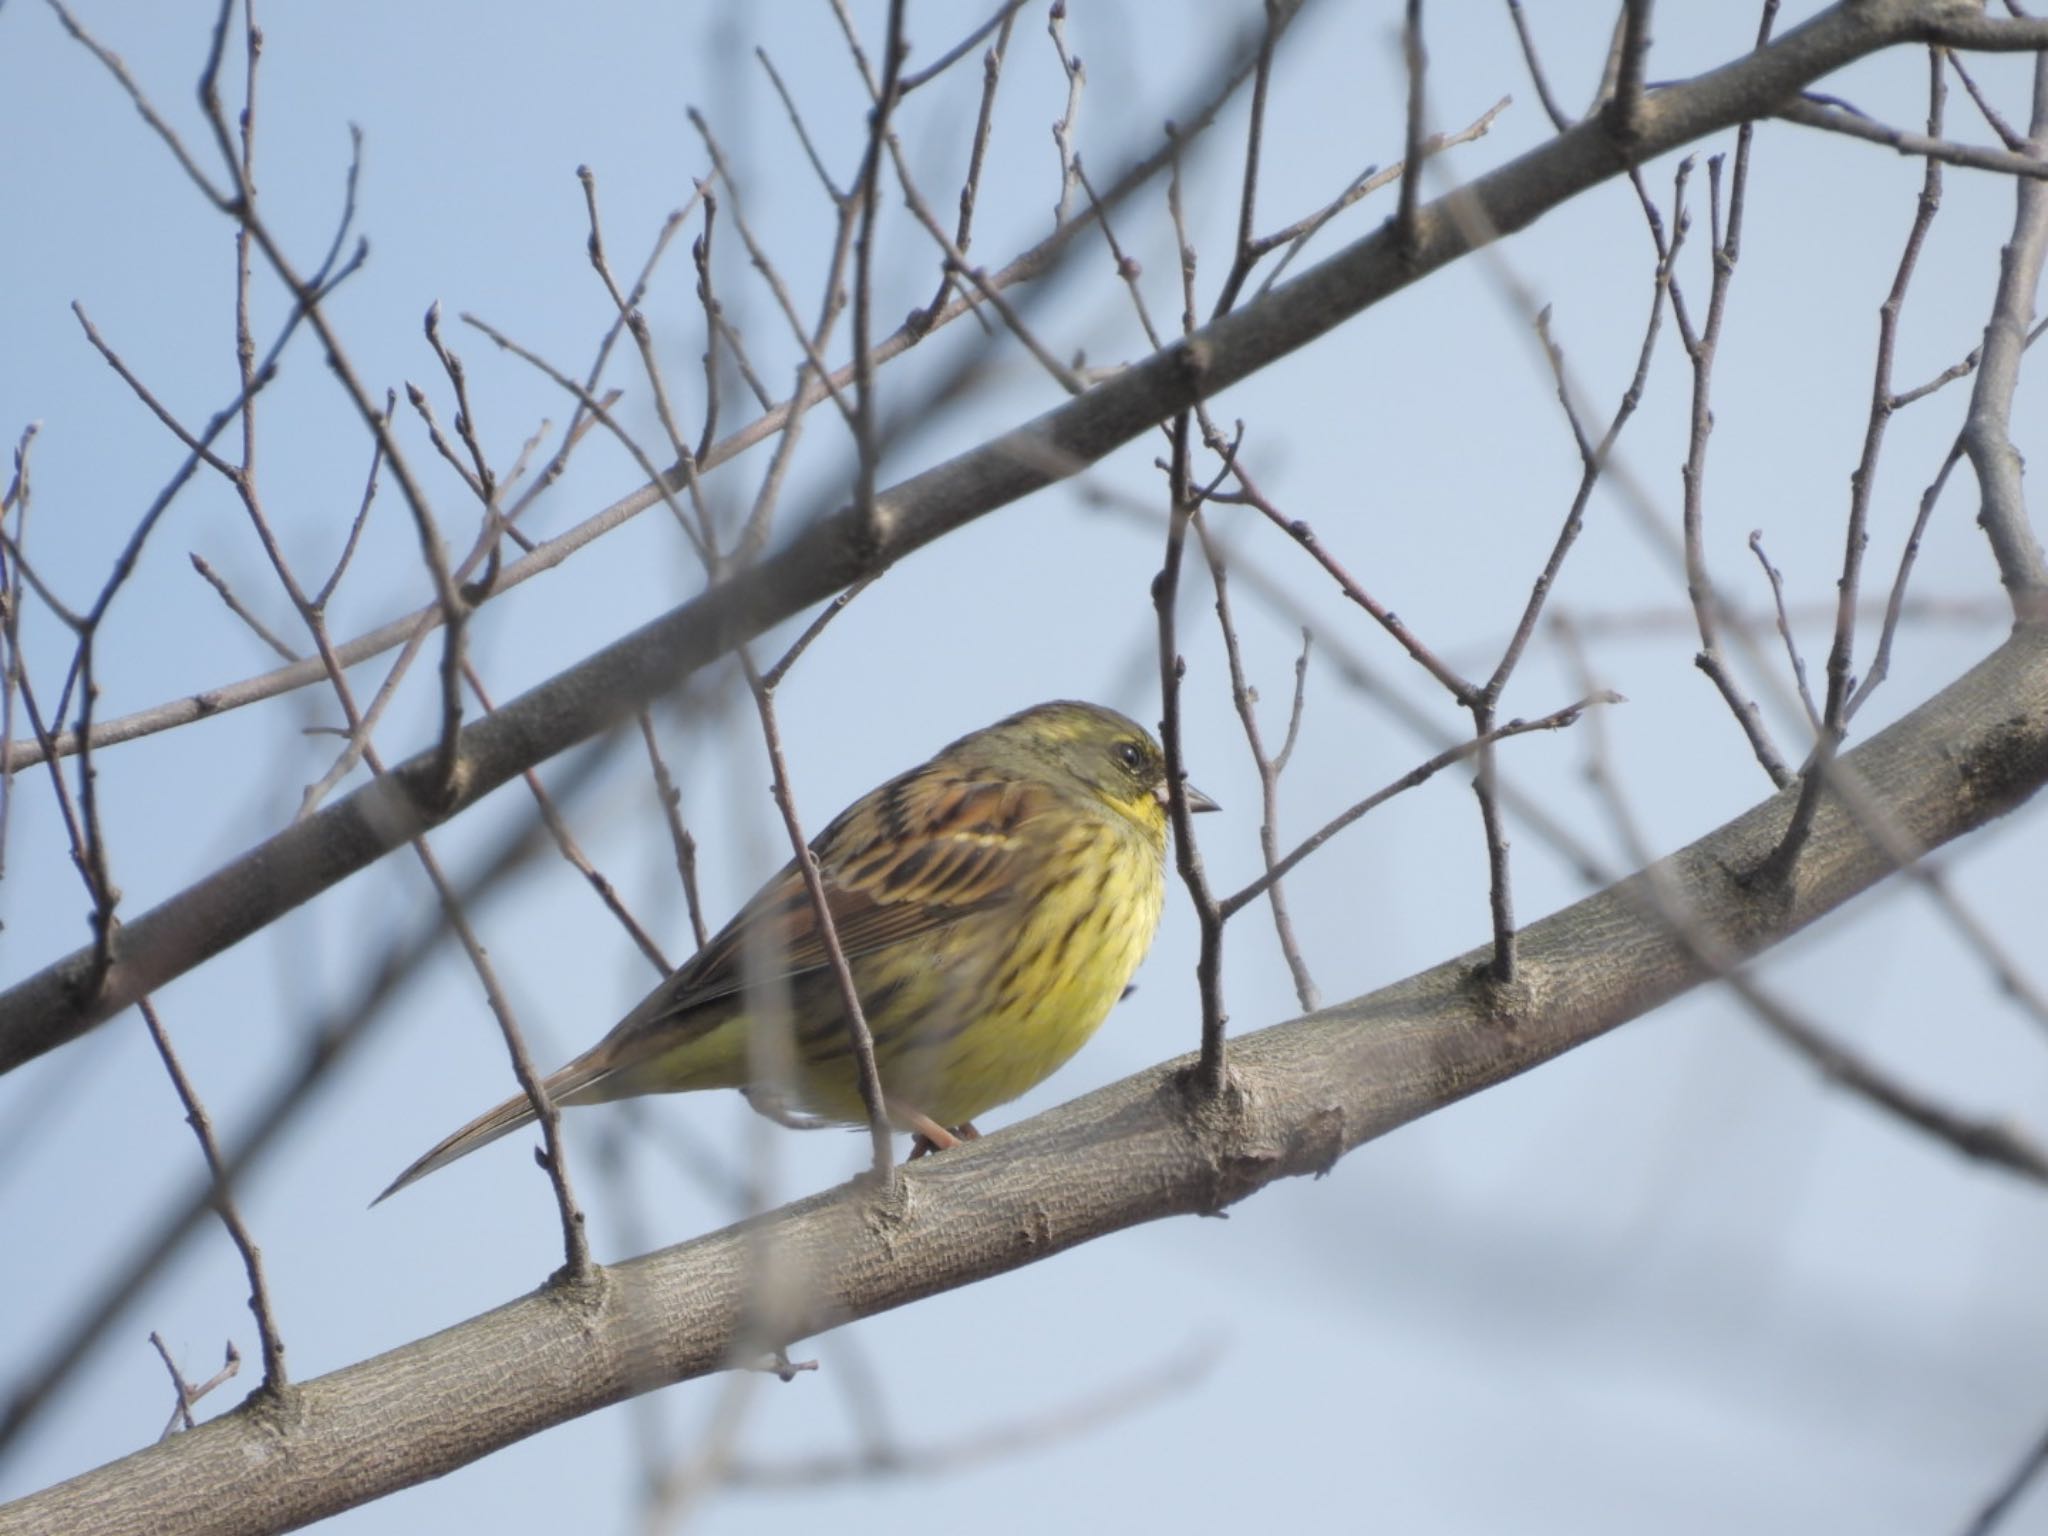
x=558, y=828
x=1978, y=1139
x=803, y=134
x=1987, y=1141
x=679, y=835
x=1809, y=113
x=362, y=517
x=189, y=1392
x=1702, y=347
x=772, y=276
x=1297, y=235
x=773, y=677
x=1211, y=1074
x=977, y=153
x=1987, y=431
x=1777, y=581
x=1063, y=129
x=239, y=609
x=1416, y=60
x=1841, y=682
x=2010, y=136
x=1269, y=767
x=13, y=670
x=1895, y=605
x=1245, y=256
x=1005, y=17
x=1233, y=68
x=1593, y=460
x=1249, y=494
x=628, y=307
x=1559, y=119
x=327, y=1043
x=859, y=1037
x=274, y=1379
x=885, y=1459
x=1556, y=720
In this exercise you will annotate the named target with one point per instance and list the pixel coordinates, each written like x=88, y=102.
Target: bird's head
x=1105, y=754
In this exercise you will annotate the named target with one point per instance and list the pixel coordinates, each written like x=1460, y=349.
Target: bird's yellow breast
x=972, y=1017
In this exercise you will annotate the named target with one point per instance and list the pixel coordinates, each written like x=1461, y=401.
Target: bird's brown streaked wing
x=923, y=851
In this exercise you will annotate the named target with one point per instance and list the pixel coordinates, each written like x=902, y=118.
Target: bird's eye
x=1130, y=754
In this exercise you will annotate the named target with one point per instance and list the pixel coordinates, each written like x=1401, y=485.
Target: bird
x=992, y=905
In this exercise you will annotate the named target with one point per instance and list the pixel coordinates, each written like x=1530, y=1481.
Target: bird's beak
x=1197, y=801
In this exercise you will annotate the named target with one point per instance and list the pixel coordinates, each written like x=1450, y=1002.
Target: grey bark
x=1302, y=1094
x=64, y=999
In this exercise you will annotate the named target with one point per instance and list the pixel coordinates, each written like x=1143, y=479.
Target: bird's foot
x=933, y=1137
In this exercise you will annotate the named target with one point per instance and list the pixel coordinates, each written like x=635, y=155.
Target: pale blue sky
x=1669, y=1282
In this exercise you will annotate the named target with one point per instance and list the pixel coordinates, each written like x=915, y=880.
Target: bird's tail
x=568, y=1086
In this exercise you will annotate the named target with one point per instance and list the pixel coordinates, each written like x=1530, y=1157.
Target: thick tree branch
x=69, y=997
x=1304, y=1093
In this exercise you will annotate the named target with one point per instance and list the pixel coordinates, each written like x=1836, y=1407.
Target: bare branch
x=1555, y=721
x=1233, y=66
x=49, y=1006
x=1314, y=1089
x=1839, y=117
x=1777, y=581
x=1416, y=61
x=191, y=1392
x=274, y=1379
x=859, y=1038
x=1987, y=431
x=239, y=609
x=1557, y=115
x=1269, y=767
